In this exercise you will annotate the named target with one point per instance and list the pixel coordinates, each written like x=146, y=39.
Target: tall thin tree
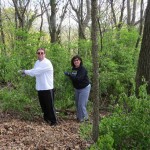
x=95, y=58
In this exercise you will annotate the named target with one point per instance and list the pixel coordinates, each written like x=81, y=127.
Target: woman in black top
x=80, y=81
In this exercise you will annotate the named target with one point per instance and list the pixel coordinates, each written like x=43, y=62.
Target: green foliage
x=117, y=68
x=23, y=57
x=128, y=127
x=63, y=88
x=84, y=47
x=118, y=61
x=20, y=91
x=18, y=102
x=85, y=130
x=104, y=142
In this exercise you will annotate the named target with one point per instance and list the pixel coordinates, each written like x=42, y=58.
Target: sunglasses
x=40, y=53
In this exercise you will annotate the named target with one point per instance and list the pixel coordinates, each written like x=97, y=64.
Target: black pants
x=46, y=99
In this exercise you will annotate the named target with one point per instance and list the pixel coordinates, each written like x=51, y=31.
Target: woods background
x=64, y=28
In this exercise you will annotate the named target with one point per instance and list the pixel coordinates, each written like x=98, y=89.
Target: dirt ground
x=18, y=134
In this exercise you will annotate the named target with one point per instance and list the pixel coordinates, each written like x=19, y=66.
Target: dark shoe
x=82, y=120
x=53, y=123
x=86, y=120
x=47, y=121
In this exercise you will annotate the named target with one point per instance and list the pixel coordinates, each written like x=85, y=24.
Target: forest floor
x=19, y=134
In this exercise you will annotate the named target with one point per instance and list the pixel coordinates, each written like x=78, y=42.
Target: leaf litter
x=18, y=134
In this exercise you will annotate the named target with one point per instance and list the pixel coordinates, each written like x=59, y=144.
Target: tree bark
x=134, y=12
x=140, y=26
x=22, y=20
x=20, y=11
x=113, y=13
x=128, y=13
x=83, y=17
x=53, y=26
x=53, y=21
x=95, y=58
x=121, y=16
x=143, y=69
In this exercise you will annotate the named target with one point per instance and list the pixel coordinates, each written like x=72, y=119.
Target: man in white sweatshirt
x=43, y=72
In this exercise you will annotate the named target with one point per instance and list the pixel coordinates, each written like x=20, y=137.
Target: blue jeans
x=81, y=99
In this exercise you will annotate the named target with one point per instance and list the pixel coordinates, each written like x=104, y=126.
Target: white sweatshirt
x=43, y=71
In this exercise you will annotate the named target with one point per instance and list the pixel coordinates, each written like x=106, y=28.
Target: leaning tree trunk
x=95, y=58
x=143, y=70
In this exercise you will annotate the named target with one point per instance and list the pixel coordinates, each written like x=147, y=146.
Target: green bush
x=118, y=61
x=104, y=142
x=20, y=103
x=128, y=127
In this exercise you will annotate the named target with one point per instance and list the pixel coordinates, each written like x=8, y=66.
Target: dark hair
x=76, y=57
x=43, y=49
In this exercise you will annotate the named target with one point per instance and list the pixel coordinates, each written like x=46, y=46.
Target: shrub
x=128, y=126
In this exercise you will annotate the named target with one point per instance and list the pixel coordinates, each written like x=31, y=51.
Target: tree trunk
x=95, y=58
x=53, y=26
x=20, y=12
x=53, y=21
x=128, y=13
x=121, y=16
x=113, y=13
x=134, y=12
x=140, y=25
x=143, y=69
x=83, y=17
x=3, y=51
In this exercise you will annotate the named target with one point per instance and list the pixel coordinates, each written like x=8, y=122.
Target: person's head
x=76, y=61
x=40, y=53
